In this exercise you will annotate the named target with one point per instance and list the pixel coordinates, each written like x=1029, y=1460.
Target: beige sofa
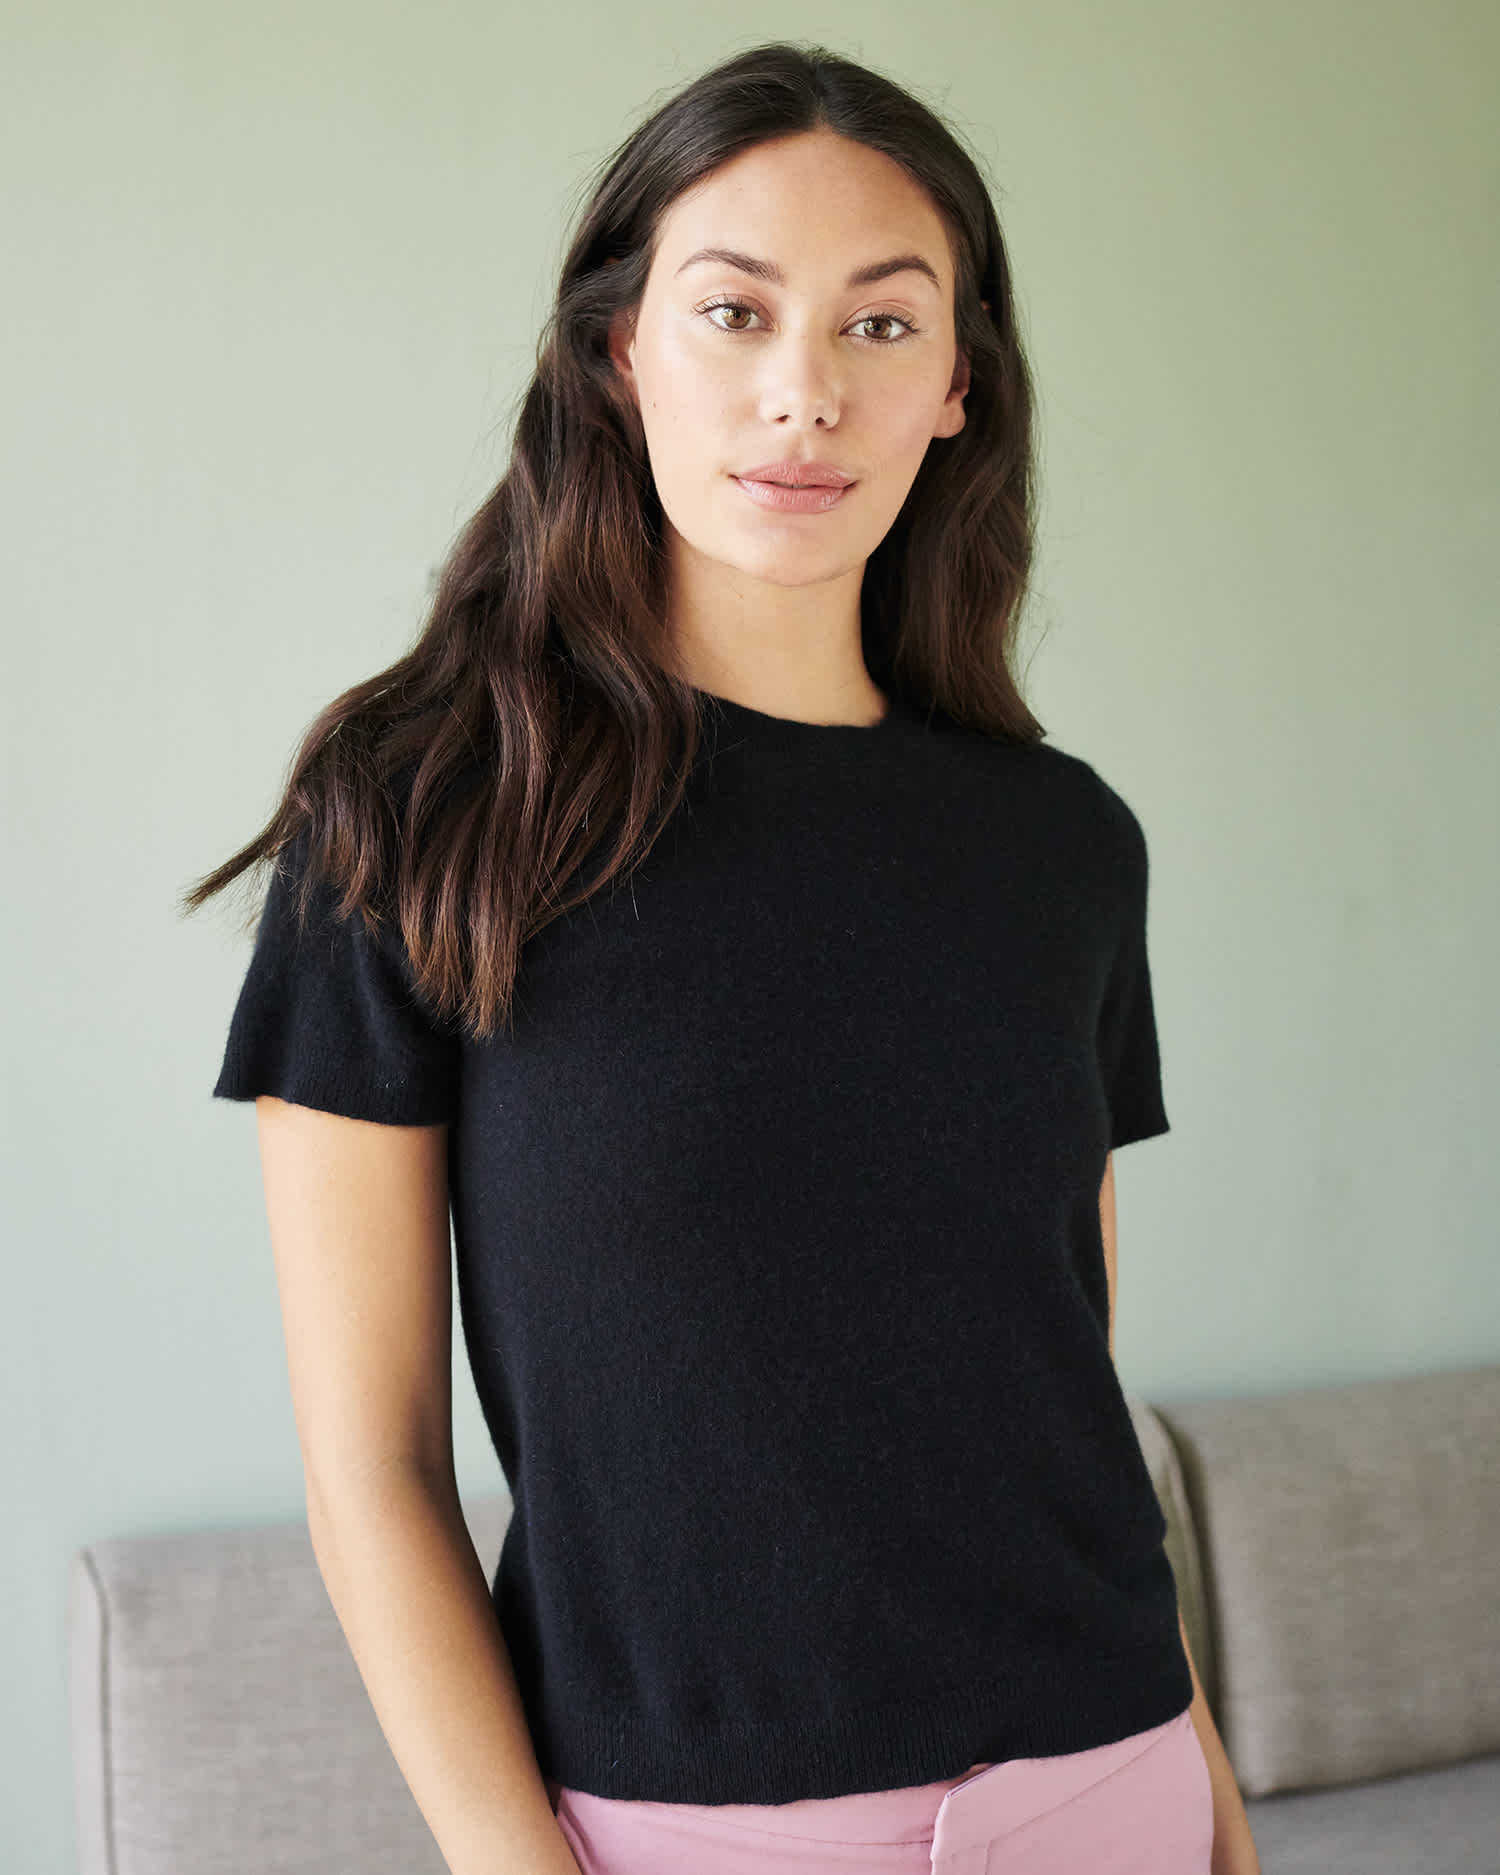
x=1335, y=1553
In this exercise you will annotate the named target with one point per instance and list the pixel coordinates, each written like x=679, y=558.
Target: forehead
x=809, y=206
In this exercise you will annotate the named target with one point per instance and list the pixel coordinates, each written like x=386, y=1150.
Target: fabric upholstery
x=1444, y=1822
x=1349, y=1536
x=220, y=1726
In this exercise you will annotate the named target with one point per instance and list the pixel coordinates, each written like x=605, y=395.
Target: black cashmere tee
x=776, y=1223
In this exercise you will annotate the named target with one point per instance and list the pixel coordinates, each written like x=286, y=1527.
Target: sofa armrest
x=219, y=1722
x=1181, y=1541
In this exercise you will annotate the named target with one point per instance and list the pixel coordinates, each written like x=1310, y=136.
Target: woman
x=780, y=1164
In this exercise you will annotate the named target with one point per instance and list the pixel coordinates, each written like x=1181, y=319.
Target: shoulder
x=1115, y=821
x=1068, y=796
x=332, y=896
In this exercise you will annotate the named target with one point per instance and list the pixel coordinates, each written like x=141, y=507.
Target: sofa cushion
x=220, y=1726
x=1444, y=1822
x=1349, y=1537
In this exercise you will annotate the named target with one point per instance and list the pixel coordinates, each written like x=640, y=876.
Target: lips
x=792, y=474
x=788, y=498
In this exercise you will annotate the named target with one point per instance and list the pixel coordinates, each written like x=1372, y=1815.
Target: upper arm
x=1107, y=1231
x=358, y=1216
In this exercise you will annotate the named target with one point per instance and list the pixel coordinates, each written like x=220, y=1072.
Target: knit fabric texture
x=777, y=1239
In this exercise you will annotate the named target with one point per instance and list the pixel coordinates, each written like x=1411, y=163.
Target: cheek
x=688, y=406
x=911, y=419
x=686, y=375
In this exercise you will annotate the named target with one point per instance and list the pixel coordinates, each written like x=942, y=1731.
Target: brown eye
x=727, y=305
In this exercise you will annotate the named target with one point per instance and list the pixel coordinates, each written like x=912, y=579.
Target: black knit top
x=776, y=1222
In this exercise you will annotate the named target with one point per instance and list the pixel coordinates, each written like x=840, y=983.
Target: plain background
x=273, y=278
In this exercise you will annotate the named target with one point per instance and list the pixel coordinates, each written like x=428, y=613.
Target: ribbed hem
x=332, y=1088
x=867, y=1748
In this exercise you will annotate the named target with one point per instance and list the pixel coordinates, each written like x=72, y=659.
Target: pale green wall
x=272, y=277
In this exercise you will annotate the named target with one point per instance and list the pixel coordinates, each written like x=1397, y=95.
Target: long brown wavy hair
x=542, y=710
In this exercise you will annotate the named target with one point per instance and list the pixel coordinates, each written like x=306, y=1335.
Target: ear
x=951, y=416
x=952, y=419
x=960, y=382
x=622, y=343
x=621, y=348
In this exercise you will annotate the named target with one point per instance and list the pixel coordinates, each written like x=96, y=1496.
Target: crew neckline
x=748, y=717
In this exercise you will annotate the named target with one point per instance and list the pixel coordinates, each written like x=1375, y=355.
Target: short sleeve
x=327, y=1016
x=1129, y=1051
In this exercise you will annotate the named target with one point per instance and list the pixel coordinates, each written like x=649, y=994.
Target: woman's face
x=732, y=368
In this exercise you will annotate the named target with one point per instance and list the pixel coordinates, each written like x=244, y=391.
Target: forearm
x=1234, y=1851
x=414, y=1605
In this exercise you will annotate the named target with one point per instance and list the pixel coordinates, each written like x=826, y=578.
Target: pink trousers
x=1140, y=1806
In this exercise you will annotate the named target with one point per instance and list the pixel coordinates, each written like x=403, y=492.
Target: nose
x=802, y=385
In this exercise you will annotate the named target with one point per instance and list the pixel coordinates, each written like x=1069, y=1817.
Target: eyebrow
x=768, y=270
